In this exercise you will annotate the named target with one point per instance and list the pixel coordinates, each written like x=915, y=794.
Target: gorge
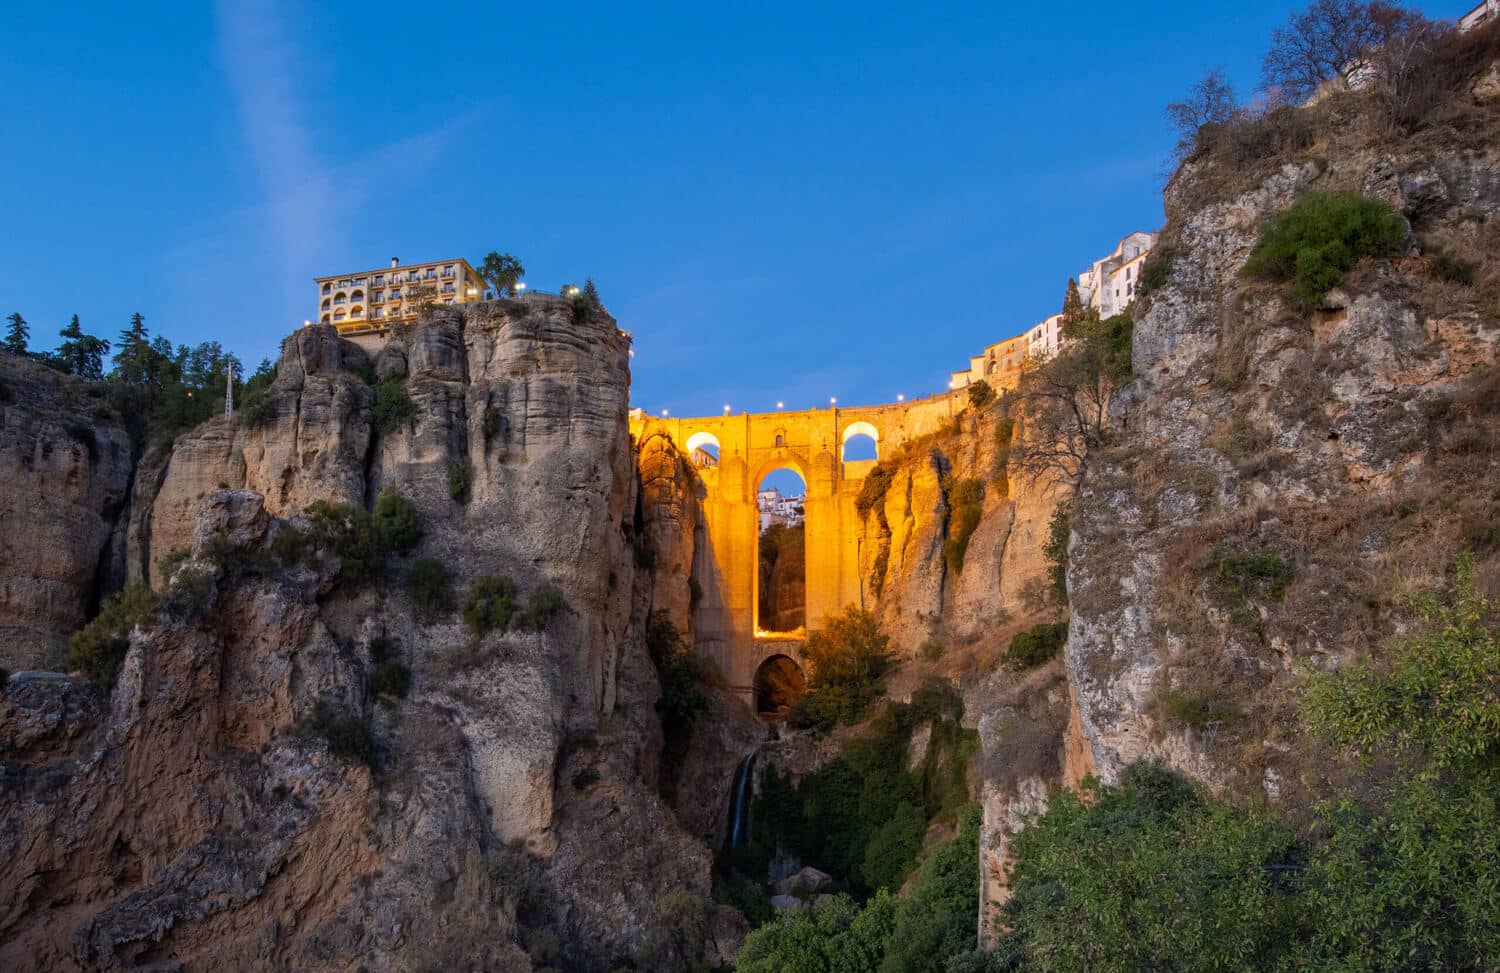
x=440, y=656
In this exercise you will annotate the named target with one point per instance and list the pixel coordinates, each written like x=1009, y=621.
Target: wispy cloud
x=261, y=64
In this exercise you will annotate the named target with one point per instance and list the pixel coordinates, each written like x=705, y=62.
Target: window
x=1127, y=273
x=379, y=279
x=327, y=288
x=378, y=296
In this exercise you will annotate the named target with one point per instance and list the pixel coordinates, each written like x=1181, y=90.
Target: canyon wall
x=65, y=462
x=197, y=815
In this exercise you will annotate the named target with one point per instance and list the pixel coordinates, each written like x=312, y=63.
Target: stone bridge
x=727, y=559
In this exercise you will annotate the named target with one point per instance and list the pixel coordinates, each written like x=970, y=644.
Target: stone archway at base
x=779, y=683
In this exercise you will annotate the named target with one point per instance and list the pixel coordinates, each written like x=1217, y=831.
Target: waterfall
x=739, y=804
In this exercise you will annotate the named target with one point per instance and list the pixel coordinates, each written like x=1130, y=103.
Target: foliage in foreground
x=1035, y=645
x=918, y=934
x=1401, y=872
x=1320, y=237
x=850, y=656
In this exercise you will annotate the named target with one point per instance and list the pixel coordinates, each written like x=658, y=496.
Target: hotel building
x=369, y=301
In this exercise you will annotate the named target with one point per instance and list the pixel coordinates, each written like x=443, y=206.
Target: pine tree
x=591, y=294
x=1072, y=310
x=16, y=334
x=82, y=354
x=133, y=359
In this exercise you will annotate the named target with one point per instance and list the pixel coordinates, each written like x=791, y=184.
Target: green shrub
x=395, y=522
x=392, y=405
x=490, y=603
x=1320, y=237
x=168, y=565
x=430, y=587
x=893, y=848
x=1252, y=574
x=96, y=650
x=931, y=650
x=682, y=674
x=292, y=546
x=1005, y=431
x=460, y=479
x=348, y=737
x=940, y=919
x=585, y=778
x=258, y=409
x=388, y=677
x=544, y=601
x=1198, y=708
x=872, y=491
x=1056, y=550
x=966, y=505
x=879, y=568
x=1149, y=875
x=1036, y=645
x=981, y=394
x=849, y=658
x=190, y=594
x=834, y=935
x=745, y=896
x=1156, y=270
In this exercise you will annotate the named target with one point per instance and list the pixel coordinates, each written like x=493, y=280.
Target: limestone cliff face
x=1000, y=581
x=65, y=463
x=1282, y=478
x=198, y=818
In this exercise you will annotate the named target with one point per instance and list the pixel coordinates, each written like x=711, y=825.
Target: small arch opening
x=861, y=442
x=703, y=450
x=779, y=683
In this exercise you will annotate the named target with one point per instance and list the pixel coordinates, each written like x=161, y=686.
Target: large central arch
x=749, y=446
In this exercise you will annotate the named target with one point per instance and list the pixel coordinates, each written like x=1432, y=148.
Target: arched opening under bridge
x=779, y=683
x=703, y=450
x=781, y=553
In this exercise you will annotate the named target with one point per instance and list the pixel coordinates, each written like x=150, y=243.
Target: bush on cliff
x=545, y=601
x=389, y=678
x=1037, y=644
x=363, y=540
x=1320, y=237
x=430, y=587
x=96, y=650
x=490, y=604
x=850, y=656
x=1397, y=872
x=966, y=506
x=392, y=405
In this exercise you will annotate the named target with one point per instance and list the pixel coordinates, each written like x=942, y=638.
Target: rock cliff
x=65, y=462
x=1282, y=479
x=200, y=817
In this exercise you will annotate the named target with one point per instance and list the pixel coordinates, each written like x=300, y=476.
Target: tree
x=502, y=272
x=1064, y=402
x=591, y=294
x=1331, y=40
x=16, y=333
x=133, y=360
x=849, y=657
x=1072, y=309
x=1209, y=102
x=82, y=354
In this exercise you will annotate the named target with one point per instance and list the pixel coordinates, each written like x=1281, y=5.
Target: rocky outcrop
x=65, y=462
x=250, y=845
x=1282, y=478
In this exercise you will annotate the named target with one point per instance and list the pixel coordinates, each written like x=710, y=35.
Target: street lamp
x=832, y=400
x=900, y=397
x=520, y=287
x=664, y=413
x=726, y=409
x=780, y=405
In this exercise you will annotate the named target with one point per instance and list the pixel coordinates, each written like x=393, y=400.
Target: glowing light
x=472, y=291
x=306, y=323
x=632, y=353
x=832, y=400
x=726, y=409
x=900, y=397
x=780, y=405
x=520, y=286
x=664, y=413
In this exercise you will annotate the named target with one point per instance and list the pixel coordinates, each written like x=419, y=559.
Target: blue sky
x=785, y=202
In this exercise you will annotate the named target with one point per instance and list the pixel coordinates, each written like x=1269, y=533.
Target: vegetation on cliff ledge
x=1401, y=870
